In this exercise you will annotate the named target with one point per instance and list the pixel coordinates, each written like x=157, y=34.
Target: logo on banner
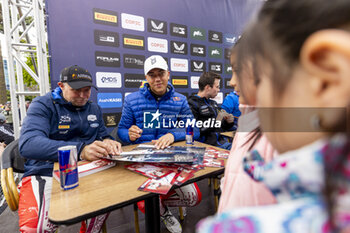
x=133, y=80
x=179, y=81
x=109, y=100
x=133, y=22
x=134, y=61
x=230, y=39
x=215, y=36
x=107, y=59
x=105, y=17
x=179, y=65
x=111, y=119
x=197, y=66
x=108, y=80
x=197, y=33
x=157, y=45
x=133, y=42
x=178, y=47
x=157, y=26
x=227, y=54
x=194, y=82
x=228, y=69
x=178, y=30
x=215, y=52
x=106, y=38
x=215, y=67
x=227, y=83
x=198, y=50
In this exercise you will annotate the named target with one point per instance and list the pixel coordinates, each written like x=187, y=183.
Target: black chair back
x=12, y=158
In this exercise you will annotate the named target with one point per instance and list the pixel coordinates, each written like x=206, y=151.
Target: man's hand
x=134, y=133
x=113, y=147
x=98, y=149
x=164, y=141
x=229, y=118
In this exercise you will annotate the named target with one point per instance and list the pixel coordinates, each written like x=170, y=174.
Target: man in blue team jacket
x=154, y=112
x=62, y=117
x=159, y=114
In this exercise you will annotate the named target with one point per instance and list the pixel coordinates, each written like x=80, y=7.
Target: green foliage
x=27, y=78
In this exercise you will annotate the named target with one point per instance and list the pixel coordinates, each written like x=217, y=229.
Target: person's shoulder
x=134, y=95
x=177, y=94
x=45, y=100
x=194, y=98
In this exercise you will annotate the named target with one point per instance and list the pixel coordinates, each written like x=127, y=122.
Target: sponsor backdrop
x=113, y=38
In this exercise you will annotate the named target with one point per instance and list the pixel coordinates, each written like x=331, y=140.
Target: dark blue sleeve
x=102, y=131
x=126, y=121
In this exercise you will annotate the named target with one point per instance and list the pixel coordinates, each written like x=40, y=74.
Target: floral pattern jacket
x=297, y=179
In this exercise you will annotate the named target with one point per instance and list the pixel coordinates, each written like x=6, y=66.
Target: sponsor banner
x=179, y=65
x=106, y=38
x=133, y=22
x=198, y=66
x=198, y=50
x=179, y=30
x=228, y=69
x=105, y=17
x=134, y=61
x=111, y=119
x=197, y=33
x=108, y=80
x=219, y=98
x=215, y=37
x=133, y=80
x=178, y=47
x=107, y=59
x=157, y=45
x=215, y=67
x=230, y=39
x=215, y=52
x=157, y=26
x=133, y=42
x=194, y=82
x=179, y=81
x=227, y=83
x=227, y=54
x=110, y=100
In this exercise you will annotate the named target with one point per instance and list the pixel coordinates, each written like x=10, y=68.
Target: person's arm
x=126, y=121
x=34, y=142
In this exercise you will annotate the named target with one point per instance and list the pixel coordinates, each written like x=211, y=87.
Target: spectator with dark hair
x=6, y=131
x=206, y=109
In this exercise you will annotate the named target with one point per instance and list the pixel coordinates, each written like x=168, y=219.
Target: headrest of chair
x=12, y=158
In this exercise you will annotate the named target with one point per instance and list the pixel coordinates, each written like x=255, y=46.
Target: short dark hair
x=207, y=78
